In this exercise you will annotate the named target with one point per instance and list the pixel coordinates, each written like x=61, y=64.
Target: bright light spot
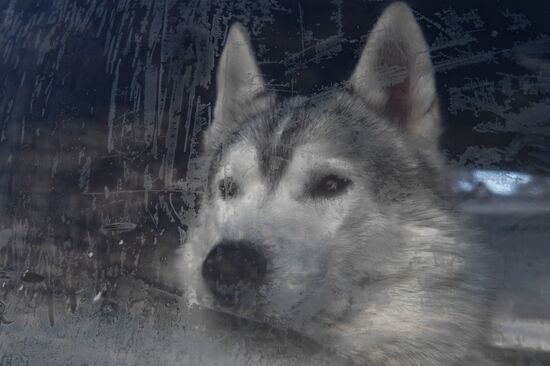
x=465, y=185
x=501, y=182
x=497, y=182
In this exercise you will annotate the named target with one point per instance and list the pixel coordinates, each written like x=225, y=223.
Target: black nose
x=232, y=266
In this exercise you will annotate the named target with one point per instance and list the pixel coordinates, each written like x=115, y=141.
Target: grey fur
x=396, y=282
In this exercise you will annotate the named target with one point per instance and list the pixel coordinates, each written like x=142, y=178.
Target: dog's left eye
x=329, y=186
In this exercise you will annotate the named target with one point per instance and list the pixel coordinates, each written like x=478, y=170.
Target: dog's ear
x=395, y=75
x=238, y=79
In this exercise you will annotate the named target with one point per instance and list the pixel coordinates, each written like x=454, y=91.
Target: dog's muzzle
x=232, y=267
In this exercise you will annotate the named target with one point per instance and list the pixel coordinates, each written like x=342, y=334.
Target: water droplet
x=31, y=277
x=108, y=308
x=118, y=227
x=97, y=297
x=21, y=288
x=121, y=242
x=90, y=254
x=50, y=309
x=72, y=301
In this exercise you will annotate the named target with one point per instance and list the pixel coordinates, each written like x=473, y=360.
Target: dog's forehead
x=294, y=132
x=243, y=161
x=315, y=155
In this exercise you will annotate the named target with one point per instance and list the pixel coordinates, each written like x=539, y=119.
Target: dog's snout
x=232, y=266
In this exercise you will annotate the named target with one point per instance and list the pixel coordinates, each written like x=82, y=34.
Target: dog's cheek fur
x=406, y=312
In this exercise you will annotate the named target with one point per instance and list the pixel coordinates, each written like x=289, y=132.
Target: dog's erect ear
x=238, y=77
x=395, y=75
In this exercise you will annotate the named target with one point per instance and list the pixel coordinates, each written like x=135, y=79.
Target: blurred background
x=102, y=106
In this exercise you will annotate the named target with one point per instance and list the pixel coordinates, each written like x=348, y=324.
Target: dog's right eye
x=227, y=188
x=329, y=186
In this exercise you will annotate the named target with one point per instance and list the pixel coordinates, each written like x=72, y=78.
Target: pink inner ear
x=393, y=64
x=399, y=101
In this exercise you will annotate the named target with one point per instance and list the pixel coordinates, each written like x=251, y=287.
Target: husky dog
x=327, y=215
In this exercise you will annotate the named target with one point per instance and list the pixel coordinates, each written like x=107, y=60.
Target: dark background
x=102, y=105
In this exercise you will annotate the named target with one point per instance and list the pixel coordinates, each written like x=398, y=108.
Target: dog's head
x=308, y=199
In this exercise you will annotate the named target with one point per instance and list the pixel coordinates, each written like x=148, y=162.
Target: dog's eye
x=228, y=188
x=329, y=186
